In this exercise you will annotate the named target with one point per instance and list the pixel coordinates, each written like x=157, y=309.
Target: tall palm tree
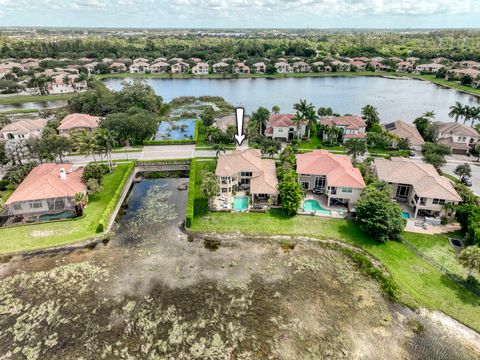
x=298, y=119
x=275, y=109
x=456, y=111
x=475, y=113
x=312, y=117
x=80, y=200
x=105, y=141
x=370, y=114
x=467, y=113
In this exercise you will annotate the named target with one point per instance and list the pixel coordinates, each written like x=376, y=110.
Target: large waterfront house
x=45, y=193
x=78, y=121
x=417, y=185
x=458, y=137
x=430, y=68
x=139, y=67
x=159, y=67
x=23, y=129
x=180, y=68
x=359, y=65
x=470, y=64
x=283, y=67
x=353, y=127
x=301, y=67
x=220, y=67
x=405, y=131
x=404, y=66
x=241, y=68
x=283, y=128
x=330, y=174
x=117, y=67
x=340, y=65
x=200, y=68
x=246, y=171
x=260, y=67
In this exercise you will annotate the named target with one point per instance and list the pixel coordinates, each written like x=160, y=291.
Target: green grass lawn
x=5, y=194
x=41, y=235
x=443, y=82
x=420, y=284
x=439, y=249
x=16, y=99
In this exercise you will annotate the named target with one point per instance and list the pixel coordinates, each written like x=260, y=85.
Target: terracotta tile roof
x=454, y=128
x=355, y=136
x=350, y=122
x=423, y=177
x=44, y=182
x=264, y=175
x=25, y=126
x=338, y=169
x=223, y=122
x=77, y=120
x=281, y=120
x=405, y=131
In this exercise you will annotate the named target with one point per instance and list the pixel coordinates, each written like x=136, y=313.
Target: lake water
x=176, y=130
x=395, y=99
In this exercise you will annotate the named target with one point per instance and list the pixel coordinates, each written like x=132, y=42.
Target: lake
x=176, y=130
x=395, y=99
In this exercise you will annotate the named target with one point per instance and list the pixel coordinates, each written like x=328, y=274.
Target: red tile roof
x=338, y=169
x=44, y=182
x=281, y=120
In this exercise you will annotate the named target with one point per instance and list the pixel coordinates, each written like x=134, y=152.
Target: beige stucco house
x=23, y=129
x=416, y=184
x=245, y=170
x=405, y=131
x=334, y=175
x=282, y=127
x=458, y=137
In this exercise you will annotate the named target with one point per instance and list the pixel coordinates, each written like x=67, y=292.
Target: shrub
x=4, y=184
x=100, y=227
x=94, y=171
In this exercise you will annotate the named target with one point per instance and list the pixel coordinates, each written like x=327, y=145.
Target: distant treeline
x=452, y=44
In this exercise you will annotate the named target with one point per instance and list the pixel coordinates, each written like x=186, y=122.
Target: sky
x=242, y=13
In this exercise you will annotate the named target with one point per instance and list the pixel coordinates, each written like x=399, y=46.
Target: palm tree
x=210, y=187
x=312, y=117
x=475, y=113
x=470, y=258
x=298, y=119
x=105, y=140
x=302, y=106
x=80, y=200
x=85, y=142
x=355, y=148
x=324, y=112
x=456, y=111
x=370, y=114
x=219, y=148
x=275, y=109
x=467, y=113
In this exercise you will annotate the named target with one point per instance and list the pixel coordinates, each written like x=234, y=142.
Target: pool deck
x=335, y=211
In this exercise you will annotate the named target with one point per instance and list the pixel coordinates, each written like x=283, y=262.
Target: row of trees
x=465, y=112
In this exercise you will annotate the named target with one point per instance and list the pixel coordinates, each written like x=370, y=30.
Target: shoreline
x=18, y=99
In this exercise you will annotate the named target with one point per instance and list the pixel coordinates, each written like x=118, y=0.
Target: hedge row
x=107, y=213
x=191, y=194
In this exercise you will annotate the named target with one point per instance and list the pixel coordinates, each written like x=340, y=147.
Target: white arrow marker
x=239, y=136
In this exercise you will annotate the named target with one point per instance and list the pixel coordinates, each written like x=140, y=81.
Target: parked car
x=466, y=180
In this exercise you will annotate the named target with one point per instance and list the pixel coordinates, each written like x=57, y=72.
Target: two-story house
x=283, y=128
x=404, y=66
x=241, y=68
x=78, y=121
x=334, y=175
x=458, y=137
x=180, y=68
x=23, y=129
x=340, y=65
x=245, y=170
x=416, y=184
x=283, y=67
x=200, y=68
x=220, y=67
x=260, y=67
x=159, y=67
x=353, y=127
x=431, y=68
x=301, y=67
x=139, y=67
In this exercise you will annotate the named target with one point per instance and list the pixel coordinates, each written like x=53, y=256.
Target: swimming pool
x=406, y=215
x=58, y=216
x=240, y=203
x=313, y=206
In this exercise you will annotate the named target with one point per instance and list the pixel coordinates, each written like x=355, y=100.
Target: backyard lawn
x=36, y=236
x=420, y=284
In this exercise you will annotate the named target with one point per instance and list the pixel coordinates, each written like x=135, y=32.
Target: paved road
x=449, y=167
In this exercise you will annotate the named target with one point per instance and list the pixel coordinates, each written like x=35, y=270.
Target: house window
x=280, y=130
x=438, y=201
x=35, y=205
x=246, y=174
x=17, y=207
x=320, y=182
x=305, y=185
x=402, y=191
x=347, y=190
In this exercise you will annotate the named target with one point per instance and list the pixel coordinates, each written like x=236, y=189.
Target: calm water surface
x=394, y=98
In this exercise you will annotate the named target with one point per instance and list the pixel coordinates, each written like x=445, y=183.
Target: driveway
x=449, y=167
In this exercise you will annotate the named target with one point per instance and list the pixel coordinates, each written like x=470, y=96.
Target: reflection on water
x=34, y=105
x=152, y=294
x=395, y=99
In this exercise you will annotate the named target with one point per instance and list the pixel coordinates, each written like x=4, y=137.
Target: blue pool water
x=240, y=203
x=405, y=215
x=313, y=206
x=176, y=130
